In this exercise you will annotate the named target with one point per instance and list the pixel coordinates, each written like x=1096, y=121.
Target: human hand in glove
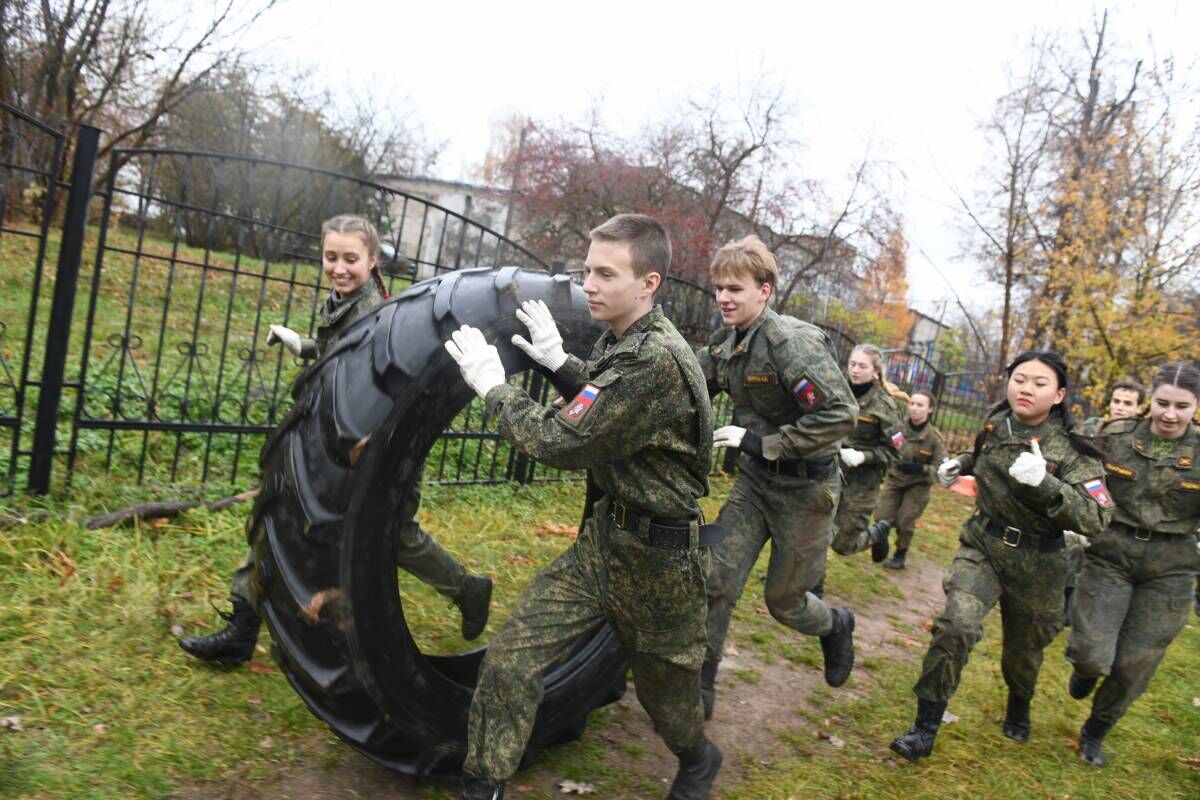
x=1029, y=468
x=478, y=360
x=728, y=436
x=278, y=334
x=851, y=457
x=1073, y=538
x=546, y=347
x=948, y=471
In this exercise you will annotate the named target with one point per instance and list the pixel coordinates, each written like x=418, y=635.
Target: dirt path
x=749, y=718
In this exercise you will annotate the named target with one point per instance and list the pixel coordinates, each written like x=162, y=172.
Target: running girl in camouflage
x=1034, y=478
x=1135, y=589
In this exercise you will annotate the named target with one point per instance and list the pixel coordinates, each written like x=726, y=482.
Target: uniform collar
x=726, y=347
x=1183, y=455
x=337, y=305
x=641, y=324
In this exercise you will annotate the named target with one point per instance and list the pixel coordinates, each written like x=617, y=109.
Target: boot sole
x=906, y=754
x=839, y=683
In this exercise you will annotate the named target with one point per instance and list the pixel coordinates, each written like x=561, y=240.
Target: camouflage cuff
x=497, y=396
x=1049, y=491
x=752, y=443
x=308, y=349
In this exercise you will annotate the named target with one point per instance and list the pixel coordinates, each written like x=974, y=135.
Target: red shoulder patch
x=807, y=394
x=1099, y=492
x=578, y=408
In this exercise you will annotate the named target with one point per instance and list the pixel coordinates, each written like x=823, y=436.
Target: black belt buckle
x=1137, y=534
x=620, y=514
x=670, y=538
x=1015, y=541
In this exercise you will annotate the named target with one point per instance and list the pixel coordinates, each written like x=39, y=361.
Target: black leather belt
x=675, y=534
x=1148, y=534
x=1015, y=537
x=813, y=470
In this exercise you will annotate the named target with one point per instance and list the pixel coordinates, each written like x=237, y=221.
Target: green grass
x=86, y=640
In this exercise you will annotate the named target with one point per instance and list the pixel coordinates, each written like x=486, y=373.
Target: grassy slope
x=93, y=647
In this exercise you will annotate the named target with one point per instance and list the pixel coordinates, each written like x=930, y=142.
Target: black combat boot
x=1091, y=735
x=1067, y=592
x=878, y=535
x=476, y=788
x=1080, y=686
x=918, y=742
x=234, y=644
x=838, y=647
x=1016, y=718
x=698, y=768
x=897, y=559
x=708, y=686
x=473, y=602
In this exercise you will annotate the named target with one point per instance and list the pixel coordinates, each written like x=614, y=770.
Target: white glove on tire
x=1073, y=538
x=546, y=347
x=851, y=457
x=285, y=336
x=1029, y=468
x=478, y=360
x=728, y=436
x=948, y=471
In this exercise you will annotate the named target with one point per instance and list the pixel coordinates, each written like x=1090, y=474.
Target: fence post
x=62, y=307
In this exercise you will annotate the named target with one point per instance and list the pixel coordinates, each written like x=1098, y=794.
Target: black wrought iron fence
x=190, y=257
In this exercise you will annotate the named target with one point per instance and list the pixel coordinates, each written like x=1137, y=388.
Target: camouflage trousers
x=653, y=597
x=860, y=491
x=417, y=553
x=1075, y=555
x=902, y=505
x=1132, y=600
x=794, y=515
x=1027, y=584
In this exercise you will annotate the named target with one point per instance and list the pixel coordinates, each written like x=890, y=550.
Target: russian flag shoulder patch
x=578, y=408
x=898, y=439
x=1099, y=492
x=807, y=394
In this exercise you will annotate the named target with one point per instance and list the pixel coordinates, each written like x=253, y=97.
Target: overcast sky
x=912, y=79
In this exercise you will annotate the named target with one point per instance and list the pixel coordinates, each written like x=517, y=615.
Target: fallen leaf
x=99, y=729
x=177, y=631
x=571, y=787
x=312, y=612
x=11, y=723
x=948, y=718
x=1190, y=761
x=1196, y=702
x=64, y=566
x=517, y=558
x=266, y=743
x=524, y=789
x=260, y=667
x=730, y=650
x=927, y=625
x=761, y=610
x=158, y=522
x=556, y=529
x=890, y=764
x=116, y=584
x=1072, y=743
x=254, y=700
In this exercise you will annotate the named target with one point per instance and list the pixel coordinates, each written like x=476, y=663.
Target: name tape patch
x=578, y=408
x=807, y=393
x=759, y=378
x=1099, y=492
x=1188, y=486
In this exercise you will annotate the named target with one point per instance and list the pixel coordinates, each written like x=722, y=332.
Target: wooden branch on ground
x=163, y=509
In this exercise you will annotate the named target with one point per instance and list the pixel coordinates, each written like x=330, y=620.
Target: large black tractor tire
x=325, y=566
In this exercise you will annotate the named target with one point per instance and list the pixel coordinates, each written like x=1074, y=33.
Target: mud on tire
x=325, y=572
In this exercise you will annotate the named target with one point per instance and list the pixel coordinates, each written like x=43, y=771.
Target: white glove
x=851, y=457
x=285, y=336
x=728, y=436
x=1029, y=468
x=1073, y=538
x=546, y=347
x=948, y=471
x=478, y=360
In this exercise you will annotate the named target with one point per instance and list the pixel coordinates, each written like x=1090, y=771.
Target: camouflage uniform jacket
x=642, y=423
x=922, y=447
x=338, y=313
x=879, y=434
x=1160, y=494
x=1072, y=496
x=785, y=386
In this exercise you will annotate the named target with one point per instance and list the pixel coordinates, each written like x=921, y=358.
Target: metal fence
x=181, y=261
